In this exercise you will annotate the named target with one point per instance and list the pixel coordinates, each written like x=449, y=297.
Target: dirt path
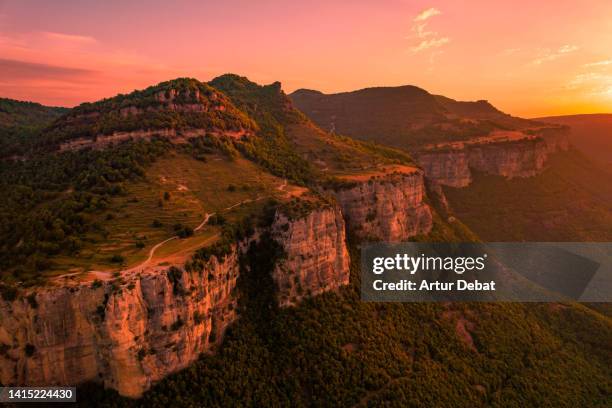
x=203, y=223
x=281, y=187
x=107, y=275
x=151, y=253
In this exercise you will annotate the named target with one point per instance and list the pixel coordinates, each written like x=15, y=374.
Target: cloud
x=420, y=31
x=595, y=84
x=599, y=63
x=551, y=55
x=422, y=37
x=567, y=48
x=584, y=78
x=511, y=51
x=23, y=70
x=426, y=14
x=427, y=44
x=71, y=38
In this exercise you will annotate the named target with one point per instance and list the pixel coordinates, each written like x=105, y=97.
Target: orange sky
x=528, y=58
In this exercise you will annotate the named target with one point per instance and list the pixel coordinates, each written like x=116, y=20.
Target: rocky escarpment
x=315, y=258
x=174, y=135
x=176, y=109
x=449, y=167
x=388, y=206
x=126, y=333
x=524, y=157
x=137, y=328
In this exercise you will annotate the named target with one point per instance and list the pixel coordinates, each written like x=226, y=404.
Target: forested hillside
x=143, y=218
x=20, y=122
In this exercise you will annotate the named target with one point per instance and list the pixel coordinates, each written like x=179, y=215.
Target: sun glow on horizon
x=527, y=59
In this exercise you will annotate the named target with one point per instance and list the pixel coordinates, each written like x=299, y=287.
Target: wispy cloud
x=596, y=84
x=426, y=14
x=82, y=39
x=585, y=78
x=433, y=43
x=599, y=63
x=423, y=37
x=548, y=55
x=23, y=70
x=66, y=69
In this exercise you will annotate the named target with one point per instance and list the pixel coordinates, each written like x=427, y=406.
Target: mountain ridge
x=404, y=116
x=591, y=133
x=266, y=287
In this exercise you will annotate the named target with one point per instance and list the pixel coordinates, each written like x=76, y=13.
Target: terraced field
x=179, y=192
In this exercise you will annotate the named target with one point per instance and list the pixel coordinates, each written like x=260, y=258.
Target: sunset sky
x=528, y=58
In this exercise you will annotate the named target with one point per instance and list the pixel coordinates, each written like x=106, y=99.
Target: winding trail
x=108, y=275
x=199, y=227
x=151, y=253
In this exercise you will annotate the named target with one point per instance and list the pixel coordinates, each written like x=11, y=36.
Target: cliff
x=450, y=167
x=522, y=157
x=387, y=206
x=128, y=332
x=137, y=328
x=315, y=257
x=175, y=136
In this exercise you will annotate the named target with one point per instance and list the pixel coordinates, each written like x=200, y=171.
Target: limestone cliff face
x=388, y=207
x=175, y=136
x=125, y=333
x=315, y=257
x=514, y=159
x=132, y=331
x=449, y=167
x=517, y=158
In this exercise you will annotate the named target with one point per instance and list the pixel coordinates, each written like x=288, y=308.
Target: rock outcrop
x=177, y=109
x=126, y=333
x=175, y=136
x=315, y=259
x=388, y=207
x=524, y=157
x=449, y=167
x=133, y=330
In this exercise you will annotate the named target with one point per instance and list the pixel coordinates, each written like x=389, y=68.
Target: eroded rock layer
x=517, y=158
x=388, y=207
x=127, y=333
x=315, y=258
x=132, y=330
x=177, y=137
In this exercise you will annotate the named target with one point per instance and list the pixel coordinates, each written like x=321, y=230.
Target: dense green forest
x=335, y=350
x=20, y=122
x=281, y=125
x=183, y=103
x=570, y=201
x=47, y=202
x=51, y=200
x=267, y=105
x=332, y=350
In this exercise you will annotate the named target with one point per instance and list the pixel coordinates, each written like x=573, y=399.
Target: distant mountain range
x=403, y=116
x=213, y=230
x=591, y=133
